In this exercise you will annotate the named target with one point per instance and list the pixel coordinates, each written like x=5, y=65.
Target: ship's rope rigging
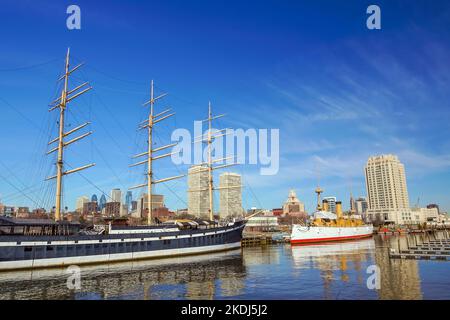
x=98, y=120
x=32, y=66
x=36, y=159
x=47, y=195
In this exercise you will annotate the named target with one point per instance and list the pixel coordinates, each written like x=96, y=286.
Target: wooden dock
x=259, y=240
x=431, y=250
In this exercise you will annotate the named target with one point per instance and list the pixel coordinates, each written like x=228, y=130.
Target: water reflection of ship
x=196, y=277
x=332, y=257
x=261, y=255
x=300, y=253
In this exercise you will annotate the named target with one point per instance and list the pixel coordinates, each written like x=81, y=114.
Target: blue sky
x=337, y=91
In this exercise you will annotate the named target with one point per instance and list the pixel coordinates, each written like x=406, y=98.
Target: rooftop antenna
x=61, y=104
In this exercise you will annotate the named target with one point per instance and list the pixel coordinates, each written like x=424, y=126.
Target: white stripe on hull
x=118, y=240
x=312, y=233
x=106, y=258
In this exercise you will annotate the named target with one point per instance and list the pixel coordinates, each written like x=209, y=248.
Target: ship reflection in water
x=325, y=271
x=193, y=277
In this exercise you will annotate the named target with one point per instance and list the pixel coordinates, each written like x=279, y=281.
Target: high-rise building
x=142, y=204
x=94, y=198
x=331, y=203
x=352, y=204
x=361, y=206
x=102, y=202
x=124, y=210
x=128, y=199
x=386, y=190
x=116, y=195
x=230, y=195
x=198, y=195
x=80, y=203
x=293, y=204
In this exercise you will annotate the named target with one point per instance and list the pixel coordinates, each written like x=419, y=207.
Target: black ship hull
x=29, y=252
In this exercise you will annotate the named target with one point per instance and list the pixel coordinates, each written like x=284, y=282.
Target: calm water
x=328, y=271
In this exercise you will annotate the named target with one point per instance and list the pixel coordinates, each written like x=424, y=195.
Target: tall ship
x=326, y=226
x=37, y=243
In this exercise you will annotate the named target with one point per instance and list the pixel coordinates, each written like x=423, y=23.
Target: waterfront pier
x=431, y=249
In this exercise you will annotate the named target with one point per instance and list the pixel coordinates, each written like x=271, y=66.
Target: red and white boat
x=327, y=226
x=313, y=234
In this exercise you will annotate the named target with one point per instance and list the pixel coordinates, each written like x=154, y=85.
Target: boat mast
x=149, y=123
x=61, y=104
x=318, y=191
x=210, y=176
x=209, y=163
x=149, y=159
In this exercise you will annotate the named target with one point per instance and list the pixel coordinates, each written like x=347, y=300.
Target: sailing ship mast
x=61, y=104
x=209, y=164
x=149, y=123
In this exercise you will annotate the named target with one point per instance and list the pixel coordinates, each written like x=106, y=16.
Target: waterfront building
x=142, y=204
x=90, y=207
x=39, y=213
x=386, y=190
x=198, y=195
x=80, y=203
x=421, y=215
x=116, y=195
x=163, y=213
x=182, y=212
x=102, y=202
x=277, y=212
x=94, y=198
x=23, y=212
x=230, y=195
x=293, y=204
x=112, y=209
x=331, y=203
x=9, y=211
x=361, y=206
x=128, y=199
x=433, y=205
x=262, y=223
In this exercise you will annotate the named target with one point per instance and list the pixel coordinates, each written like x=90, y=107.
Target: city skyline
x=338, y=92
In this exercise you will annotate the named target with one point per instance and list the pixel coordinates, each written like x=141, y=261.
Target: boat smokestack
x=325, y=205
x=339, y=209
